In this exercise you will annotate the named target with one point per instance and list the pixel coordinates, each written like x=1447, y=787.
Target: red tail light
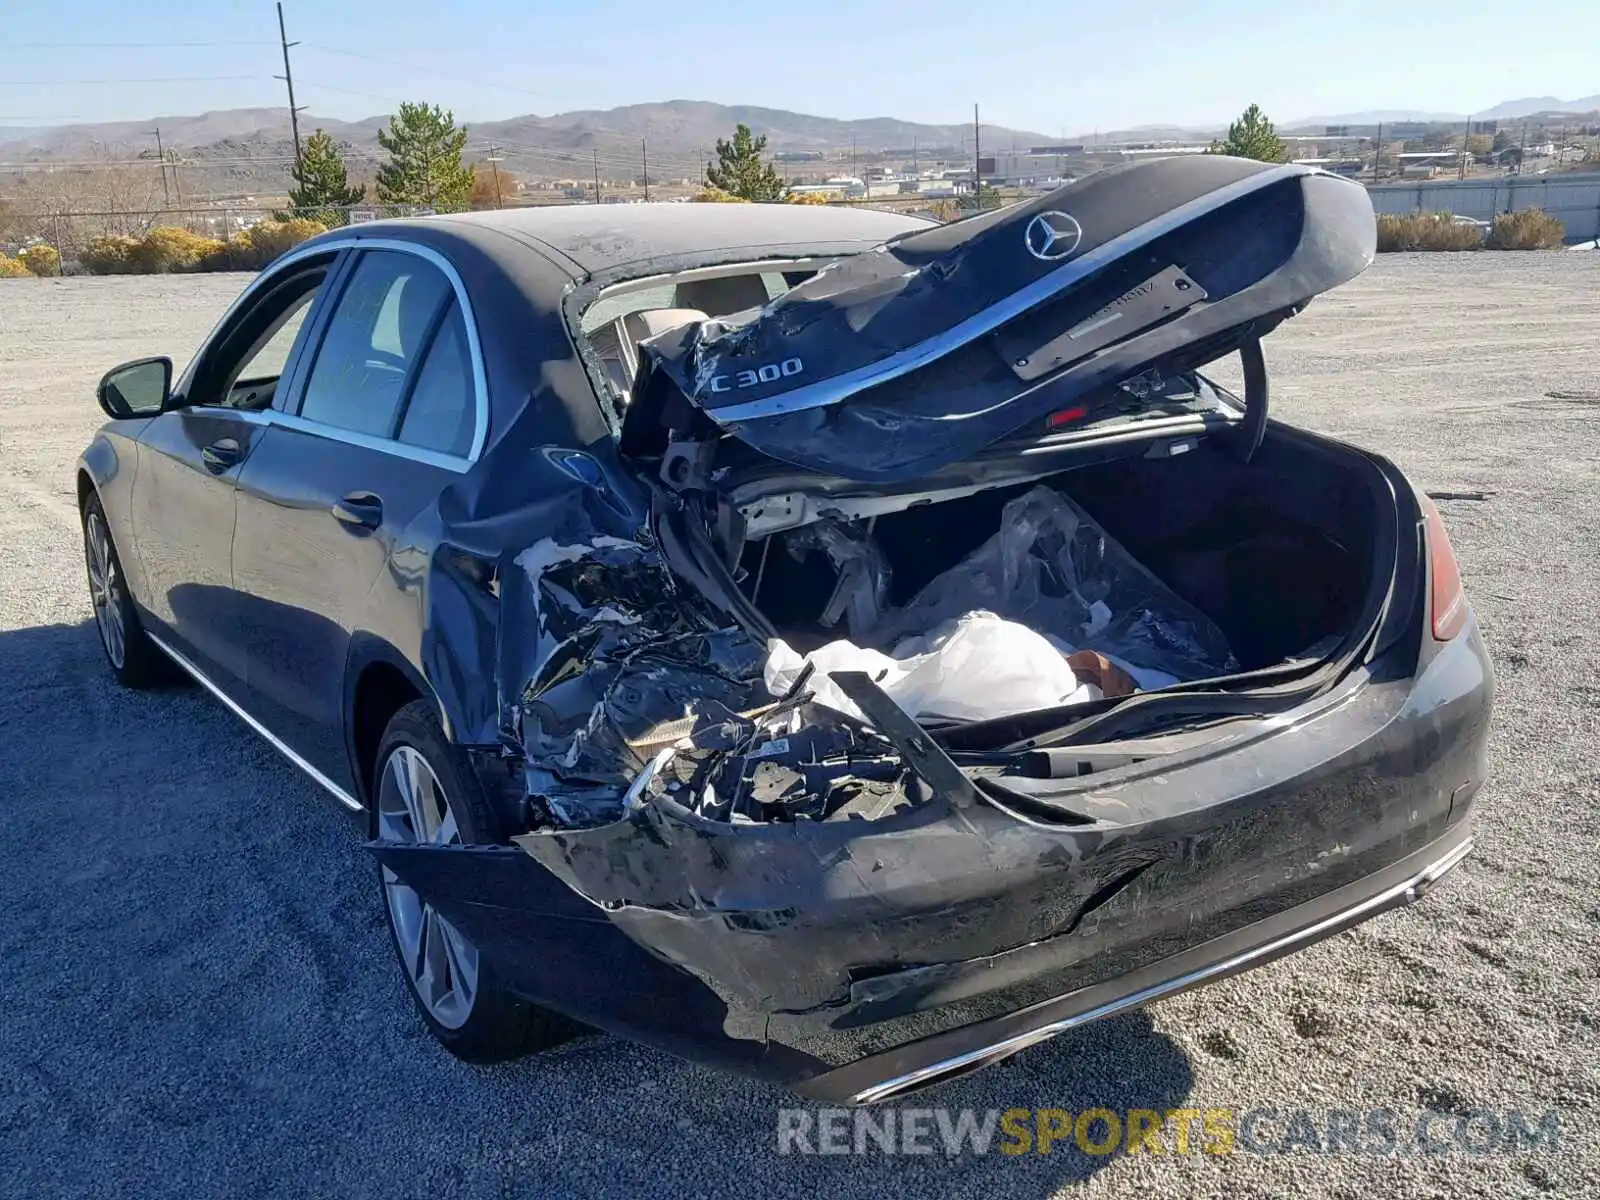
x=1449, y=600
x=1067, y=416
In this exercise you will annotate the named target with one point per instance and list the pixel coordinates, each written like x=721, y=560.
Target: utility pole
x=166, y=194
x=596, y=154
x=914, y=172
x=1465, y=138
x=494, y=160
x=1377, y=152
x=288, y=78
x=644, y=157
x=855, y=172
x=977, y=159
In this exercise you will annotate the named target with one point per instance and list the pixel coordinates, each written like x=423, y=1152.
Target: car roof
x=520, y=267
x=594, y=238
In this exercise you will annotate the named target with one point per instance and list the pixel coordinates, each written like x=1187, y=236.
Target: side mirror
x=139, y=388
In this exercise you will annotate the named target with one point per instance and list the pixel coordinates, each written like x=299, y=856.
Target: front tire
x=135, y=661
x=424, y=791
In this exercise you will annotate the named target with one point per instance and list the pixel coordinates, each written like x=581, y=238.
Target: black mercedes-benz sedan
x=821, y=643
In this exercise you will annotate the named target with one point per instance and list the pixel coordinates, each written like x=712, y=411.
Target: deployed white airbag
x=971, y=669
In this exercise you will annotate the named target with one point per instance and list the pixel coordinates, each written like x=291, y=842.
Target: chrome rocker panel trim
x=199, y=676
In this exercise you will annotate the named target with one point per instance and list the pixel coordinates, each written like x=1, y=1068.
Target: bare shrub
x=263, y=242
x=1529, y=229
x=70, y=206
x=235, y=254
x=168, y=248
x=109, y=254
x=1426, y=231
x=42, y=259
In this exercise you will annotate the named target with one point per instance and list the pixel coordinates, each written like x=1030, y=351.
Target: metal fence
x=1574, y=199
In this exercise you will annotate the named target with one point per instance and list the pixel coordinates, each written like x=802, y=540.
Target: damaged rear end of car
x=976, y=668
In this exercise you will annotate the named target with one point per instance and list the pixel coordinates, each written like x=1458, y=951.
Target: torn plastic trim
x=925, y=756
x=633, y=798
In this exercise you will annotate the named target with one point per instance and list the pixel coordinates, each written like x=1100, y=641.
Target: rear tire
x=135, y=661
x=424, y=790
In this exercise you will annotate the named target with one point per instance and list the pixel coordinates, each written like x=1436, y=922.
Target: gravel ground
x=198, y=988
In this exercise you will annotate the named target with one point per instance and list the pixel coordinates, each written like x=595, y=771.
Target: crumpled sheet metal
x=622, y=650
x=782, y=917
x=614, y=654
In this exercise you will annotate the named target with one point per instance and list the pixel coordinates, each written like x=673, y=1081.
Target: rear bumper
x=853, y=961
x=961, y=1051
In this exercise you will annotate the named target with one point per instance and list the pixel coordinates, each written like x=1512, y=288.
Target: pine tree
x=1252, y=136
x=424, y=166
x=322, y=191
x=740, y=172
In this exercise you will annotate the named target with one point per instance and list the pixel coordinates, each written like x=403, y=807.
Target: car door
x=386, y=413
x=188, y=464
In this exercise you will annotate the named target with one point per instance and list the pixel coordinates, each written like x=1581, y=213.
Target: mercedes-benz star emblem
x=1053, y=235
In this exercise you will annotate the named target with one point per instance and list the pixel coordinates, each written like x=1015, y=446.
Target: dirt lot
x=197, y=985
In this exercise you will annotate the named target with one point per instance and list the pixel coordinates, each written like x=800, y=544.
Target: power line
x=328, y=87
x=151, y=79
x=132, y=45
x=618, y=159
x=407, y=66
x=146, y=160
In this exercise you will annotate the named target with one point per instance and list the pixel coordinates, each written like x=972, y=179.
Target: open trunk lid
x=890, y=364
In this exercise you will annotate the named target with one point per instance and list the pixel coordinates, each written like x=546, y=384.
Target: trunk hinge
x=1247, y=439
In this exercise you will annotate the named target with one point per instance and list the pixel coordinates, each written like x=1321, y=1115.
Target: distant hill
x=241, y=146
x=1373, y=116
x=249, y=150
x=1535, y=105
x=1506, y=110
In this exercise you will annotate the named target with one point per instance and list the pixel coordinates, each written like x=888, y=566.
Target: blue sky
x=1063, y=66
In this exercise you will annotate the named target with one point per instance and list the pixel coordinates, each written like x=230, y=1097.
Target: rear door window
x=439, y=414
x=376, y=336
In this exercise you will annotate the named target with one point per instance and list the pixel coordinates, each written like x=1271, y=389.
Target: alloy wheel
x=105, y=589
x=441, y=963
